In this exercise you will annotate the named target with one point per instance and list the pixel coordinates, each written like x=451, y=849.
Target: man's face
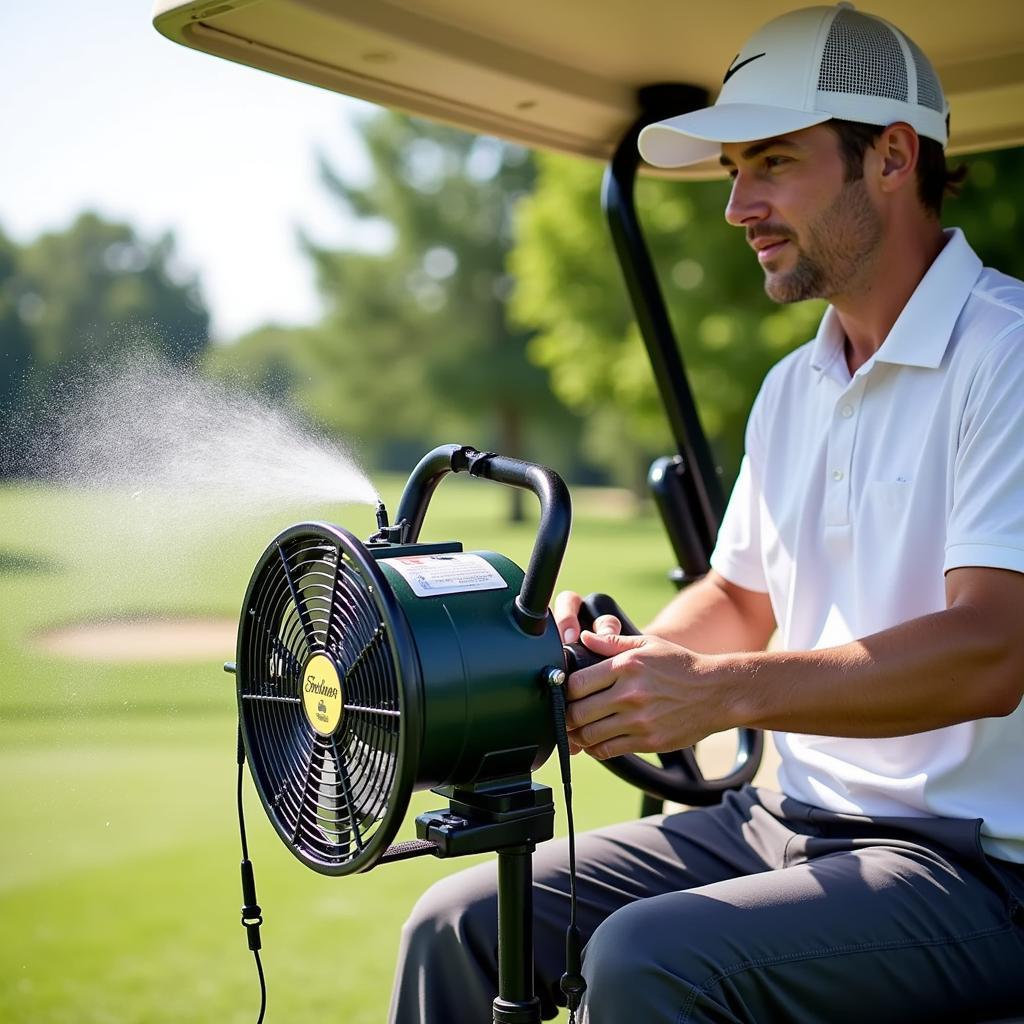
x=815, y=234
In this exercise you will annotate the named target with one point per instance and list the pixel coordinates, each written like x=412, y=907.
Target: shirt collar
x=923, y=329
x=828, y=346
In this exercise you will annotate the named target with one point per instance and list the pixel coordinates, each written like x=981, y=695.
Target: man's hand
x=567, y=617
x=649, y=696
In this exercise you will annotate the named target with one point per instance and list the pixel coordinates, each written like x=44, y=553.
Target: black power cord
x=572, y=983
x=252, y=914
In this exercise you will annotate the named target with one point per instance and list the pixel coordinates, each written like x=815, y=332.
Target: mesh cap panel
x=929, y=92
x=864, y=57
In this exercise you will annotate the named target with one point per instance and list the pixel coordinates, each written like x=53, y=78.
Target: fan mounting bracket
x=483, y=822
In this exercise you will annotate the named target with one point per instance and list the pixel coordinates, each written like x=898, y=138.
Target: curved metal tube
x=419, y=488
x=618, y=203
x=531, y=606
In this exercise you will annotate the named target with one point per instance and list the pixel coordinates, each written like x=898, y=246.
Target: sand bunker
x=150, y=640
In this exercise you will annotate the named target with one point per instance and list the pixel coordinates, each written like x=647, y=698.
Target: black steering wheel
x=679, y=777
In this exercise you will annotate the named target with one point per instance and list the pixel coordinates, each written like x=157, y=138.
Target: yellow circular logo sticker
x=321, y=694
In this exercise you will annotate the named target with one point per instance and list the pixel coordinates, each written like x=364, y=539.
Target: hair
x=935, y=180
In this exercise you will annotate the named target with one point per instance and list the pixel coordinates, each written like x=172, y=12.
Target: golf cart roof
x=565, y=75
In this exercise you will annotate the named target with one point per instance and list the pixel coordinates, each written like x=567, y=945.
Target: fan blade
x=300, y=605
x=334, y=614
x=367, y=647
x=346, y=790
x=307, y=779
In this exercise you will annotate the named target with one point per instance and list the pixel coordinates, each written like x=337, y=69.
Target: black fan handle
x=531, y=606
x=679, y=777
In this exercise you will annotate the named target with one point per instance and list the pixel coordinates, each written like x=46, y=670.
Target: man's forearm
x=927, y=673
x=713, y=616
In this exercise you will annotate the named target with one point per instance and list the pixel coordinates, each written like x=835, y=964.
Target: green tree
x=98, y=290
x=273, y=359
x=990, y=208
x=15, y=359
x=416, y=344
x=15, y=338
x=76, y=300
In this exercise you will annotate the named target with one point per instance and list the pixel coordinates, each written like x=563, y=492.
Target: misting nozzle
x=387, y=534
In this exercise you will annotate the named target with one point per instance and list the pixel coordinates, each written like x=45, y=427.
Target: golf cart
x=585, y=79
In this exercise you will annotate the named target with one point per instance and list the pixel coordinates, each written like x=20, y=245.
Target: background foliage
x=494, y=313
x=416, y=346
x=90, y=294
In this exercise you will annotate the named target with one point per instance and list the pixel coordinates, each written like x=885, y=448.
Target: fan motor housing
x=369, y=670
x=486, y=708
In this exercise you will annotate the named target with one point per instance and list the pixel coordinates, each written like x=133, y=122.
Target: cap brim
x=690, y=138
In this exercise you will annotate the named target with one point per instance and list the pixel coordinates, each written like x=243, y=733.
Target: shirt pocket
x=884, y=515
x=890, y=496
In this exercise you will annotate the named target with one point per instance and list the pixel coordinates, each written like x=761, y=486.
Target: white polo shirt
x=857, y=494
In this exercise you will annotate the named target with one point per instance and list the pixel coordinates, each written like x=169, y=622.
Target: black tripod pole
x=516, y=1003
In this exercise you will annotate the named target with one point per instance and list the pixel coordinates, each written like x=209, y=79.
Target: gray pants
x=762, y=909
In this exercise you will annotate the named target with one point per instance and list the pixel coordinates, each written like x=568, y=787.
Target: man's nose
x=746, y=203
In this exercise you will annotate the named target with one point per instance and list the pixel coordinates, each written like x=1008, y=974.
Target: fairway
x=119, y=888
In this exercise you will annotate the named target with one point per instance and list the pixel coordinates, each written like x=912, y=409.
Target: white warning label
x=456, y=573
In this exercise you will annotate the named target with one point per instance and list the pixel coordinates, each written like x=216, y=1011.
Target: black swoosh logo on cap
x=734, y=67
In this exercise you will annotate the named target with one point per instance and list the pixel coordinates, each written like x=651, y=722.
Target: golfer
x=877, y=524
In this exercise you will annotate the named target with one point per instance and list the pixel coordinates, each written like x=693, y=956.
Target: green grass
x=119, y=888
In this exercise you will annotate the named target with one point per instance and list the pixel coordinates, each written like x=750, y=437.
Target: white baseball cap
x=803, y=69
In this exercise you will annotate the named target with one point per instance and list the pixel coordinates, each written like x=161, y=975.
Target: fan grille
x=329, y=796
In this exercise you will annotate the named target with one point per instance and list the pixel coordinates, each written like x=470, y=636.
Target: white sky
x=98, y=110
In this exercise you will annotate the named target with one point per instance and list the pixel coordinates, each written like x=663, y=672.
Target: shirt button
x=847, y=411
x=837, y=475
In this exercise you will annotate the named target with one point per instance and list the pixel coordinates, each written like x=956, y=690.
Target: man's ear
x=895, y=155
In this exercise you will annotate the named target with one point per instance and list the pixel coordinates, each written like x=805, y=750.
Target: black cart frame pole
x=618, y=202
x=516, y=1002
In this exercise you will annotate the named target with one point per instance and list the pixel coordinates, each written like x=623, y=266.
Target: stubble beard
x=837, y=251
